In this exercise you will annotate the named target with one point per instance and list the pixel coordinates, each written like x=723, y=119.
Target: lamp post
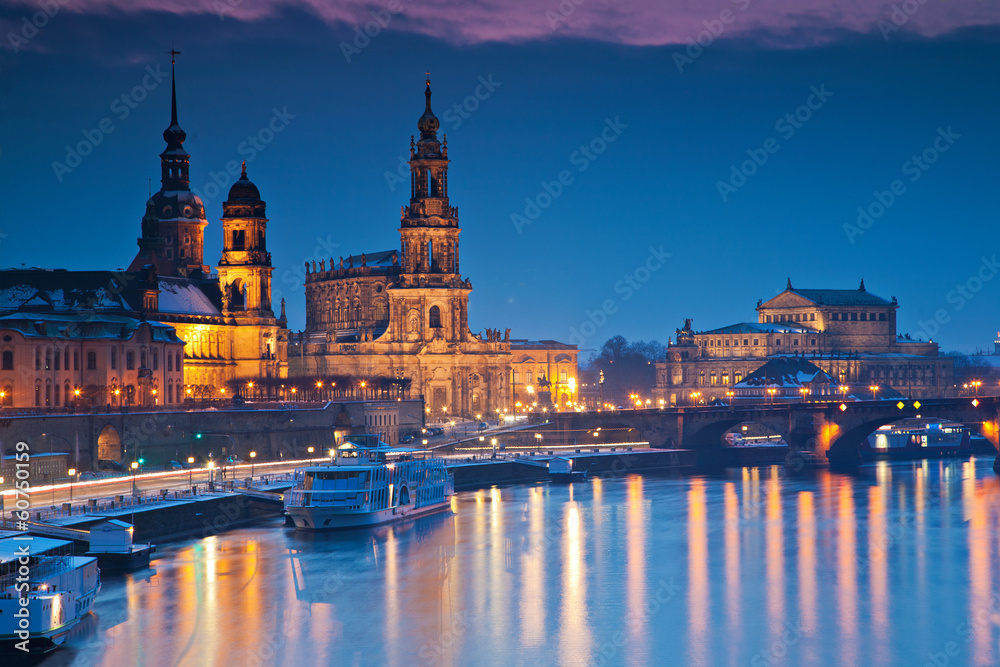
x=493, y=441
x=72, y=473
x=976, y=384
x=874, y=389
x=311, y=449
x=190, y=471
x=133, y=466
x=843, y=389
x=771, y=391
x=804, y=391
x=211, y=473
x=253, y=455
x=729, y=394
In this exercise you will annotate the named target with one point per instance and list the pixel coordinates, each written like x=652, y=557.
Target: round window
x=188, y=211
x=187, y=240
x=7, y=339
x=167, y=211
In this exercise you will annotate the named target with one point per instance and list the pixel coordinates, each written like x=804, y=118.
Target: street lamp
x=729, y=395
x=843, y=389
x=190, y=470
x=72, y=473
x=211, y=472
x=253, y=455
x=976, y=384
x=135, y=464
x=493, y=441
x=311, y=449
x=771, y=391
x=874, y=389
x=804, y=391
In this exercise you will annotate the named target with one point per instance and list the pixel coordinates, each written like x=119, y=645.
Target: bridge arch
x=710, y=435
x=845, y=447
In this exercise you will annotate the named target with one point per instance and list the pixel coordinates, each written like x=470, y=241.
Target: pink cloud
x=789, y=23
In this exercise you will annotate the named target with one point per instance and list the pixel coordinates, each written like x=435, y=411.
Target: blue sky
x=640, y=234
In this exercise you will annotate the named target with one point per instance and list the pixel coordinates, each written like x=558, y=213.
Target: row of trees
x=629, y=368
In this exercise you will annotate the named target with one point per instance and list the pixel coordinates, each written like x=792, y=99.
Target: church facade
x=167, y=298
x=403, y=313
x=849, y=334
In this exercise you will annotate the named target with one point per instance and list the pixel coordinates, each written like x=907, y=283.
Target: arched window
x=156, y=360
x=91, y=361
x=237, y=296
x=8, y=360
x=435, y=317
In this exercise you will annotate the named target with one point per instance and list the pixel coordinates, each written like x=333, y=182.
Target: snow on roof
x=754, y=327
x=179, y=295
x=10, y=548
x=62, y=290
x=786, y=372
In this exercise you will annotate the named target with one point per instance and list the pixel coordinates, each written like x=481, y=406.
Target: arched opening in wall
x=434, y=319
x=109, y=445
x=8, y=360
x=237, y=295
x=477, y=404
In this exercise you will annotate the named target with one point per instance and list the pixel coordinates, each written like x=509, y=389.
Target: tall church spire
x=429, y=225
x=174, y=160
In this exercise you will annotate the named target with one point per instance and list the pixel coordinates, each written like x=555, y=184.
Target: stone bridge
x=825, y=428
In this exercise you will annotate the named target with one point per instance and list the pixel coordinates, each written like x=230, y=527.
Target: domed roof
x=244, y=188
x=428, y=123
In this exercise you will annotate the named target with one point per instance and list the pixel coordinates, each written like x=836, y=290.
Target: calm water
x=896, y=565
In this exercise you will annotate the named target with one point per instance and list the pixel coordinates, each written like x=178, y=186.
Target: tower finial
x=789, y=285
x=173, y=86
x=244, y=175
x=862, y=288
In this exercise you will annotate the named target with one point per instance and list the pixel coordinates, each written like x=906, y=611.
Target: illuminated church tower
x=429, y=235
x=245, y=268
x=175, y=246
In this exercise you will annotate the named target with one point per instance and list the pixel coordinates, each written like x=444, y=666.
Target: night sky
x=621, y=135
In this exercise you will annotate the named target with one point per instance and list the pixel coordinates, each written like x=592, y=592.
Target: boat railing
x=348, y=499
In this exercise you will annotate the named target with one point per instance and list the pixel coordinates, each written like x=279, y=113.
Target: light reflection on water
x=885, y=567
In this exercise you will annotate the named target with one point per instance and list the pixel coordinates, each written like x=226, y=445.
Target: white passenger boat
x=368, y=483
x=44, y=591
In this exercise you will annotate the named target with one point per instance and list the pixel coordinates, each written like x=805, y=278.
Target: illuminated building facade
x=849, y=334
x=556, y=362
x=404, y=313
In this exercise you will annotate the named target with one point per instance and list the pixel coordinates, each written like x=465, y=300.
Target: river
x=896, y=564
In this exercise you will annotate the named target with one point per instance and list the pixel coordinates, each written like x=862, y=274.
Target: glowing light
x=842, y=407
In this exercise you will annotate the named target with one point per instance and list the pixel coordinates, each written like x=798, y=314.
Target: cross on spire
x=173, y=54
